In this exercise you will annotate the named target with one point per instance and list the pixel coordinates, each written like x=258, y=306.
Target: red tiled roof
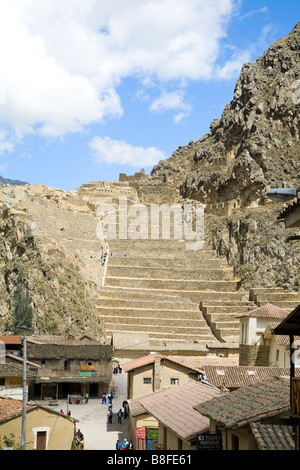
x=140, y=362
x=249, y=404
x=174, y=408
x=11, y=408
x=11, y=339
x=241, y=376
x=266, y=311
x=273, y=436
x=195, y=363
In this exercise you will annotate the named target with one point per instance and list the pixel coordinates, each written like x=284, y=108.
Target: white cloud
x=61, y=62
x=116, y=151
x=233, y=66
x=172, y=101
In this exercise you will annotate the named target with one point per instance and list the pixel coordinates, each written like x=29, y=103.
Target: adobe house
x=279, y=346
x=12, y=344
x=69, y=366
x=239, y=416
x=154, y=372
x=166, y=419
x=254, y=351
x=11, y=376
x=45, y=429
x=142, y=425
x=290, y=327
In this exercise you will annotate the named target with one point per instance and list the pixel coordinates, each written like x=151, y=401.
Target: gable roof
x=11, y=408
x=11, y=339
x=241, y=376
x=265, y=311
x=150, y=359
x=174, y=408
x=249, y=404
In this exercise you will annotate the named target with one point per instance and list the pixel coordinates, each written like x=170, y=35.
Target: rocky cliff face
x=41, y=234
x=255, y=144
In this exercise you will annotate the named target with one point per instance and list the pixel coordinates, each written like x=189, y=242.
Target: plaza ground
x=93, y=421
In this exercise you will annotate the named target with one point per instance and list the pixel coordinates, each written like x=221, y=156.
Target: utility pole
x=23, y=438
x=24, y=401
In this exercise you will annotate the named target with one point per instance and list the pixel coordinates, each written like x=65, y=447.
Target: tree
x=23, y=312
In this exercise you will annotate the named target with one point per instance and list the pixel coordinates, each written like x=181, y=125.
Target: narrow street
x=93, y=421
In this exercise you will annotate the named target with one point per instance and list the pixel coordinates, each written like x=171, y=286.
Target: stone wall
x=254, y=355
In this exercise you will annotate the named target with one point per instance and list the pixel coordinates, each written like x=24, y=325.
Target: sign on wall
x=209, y=442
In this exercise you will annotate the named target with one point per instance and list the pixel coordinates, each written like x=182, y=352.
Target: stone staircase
x=157, y=286
x=276, y=296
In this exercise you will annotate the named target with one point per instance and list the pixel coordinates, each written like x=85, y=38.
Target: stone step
x=171, y=284
x=288, y=306
x=226, y=325
x=165, y=248
x=255, y=291
x=276, y=297
x=155, y=329
x=150, y=322
x=236, y=309
x=226, y=333
x=227, y=303
x=169, y=336
x=214, y=317
x=173, y=273
x=151, y=314
x=154, y=261
x=147, y=304
x=196, y=296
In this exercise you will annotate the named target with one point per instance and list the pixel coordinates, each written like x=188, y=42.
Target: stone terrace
x=156, y=287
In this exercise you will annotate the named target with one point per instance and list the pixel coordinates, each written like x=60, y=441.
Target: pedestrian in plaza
x=81, y=441
x=110, y=416
x=130, y=446
x=125, y=444
x=86, y=398
x=103, y=398
x=120, y=416
x=118, y=445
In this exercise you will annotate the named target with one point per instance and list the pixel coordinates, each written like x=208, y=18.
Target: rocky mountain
x=253, y=147
x=51, y=235
x=255, y=144
x=12, y=182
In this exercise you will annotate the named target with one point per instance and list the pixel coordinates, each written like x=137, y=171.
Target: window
x=174, y=381
x=147, y=380
x=66, y=365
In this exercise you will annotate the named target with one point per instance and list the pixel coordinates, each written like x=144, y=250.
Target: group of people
x=103, y=258
x=117, y=369
x=107, y=398
x=120, y=414
x=125, y=446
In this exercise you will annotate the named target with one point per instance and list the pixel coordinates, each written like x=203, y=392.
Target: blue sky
x=90, y=89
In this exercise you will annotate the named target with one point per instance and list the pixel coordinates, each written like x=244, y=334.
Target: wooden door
x=41, y=440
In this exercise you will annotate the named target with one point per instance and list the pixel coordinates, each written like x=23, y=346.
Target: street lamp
x=282, y=194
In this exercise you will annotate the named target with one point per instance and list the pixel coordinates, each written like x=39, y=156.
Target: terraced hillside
x=157, y=286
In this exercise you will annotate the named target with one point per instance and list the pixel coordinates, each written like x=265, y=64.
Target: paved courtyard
x=93, y=421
